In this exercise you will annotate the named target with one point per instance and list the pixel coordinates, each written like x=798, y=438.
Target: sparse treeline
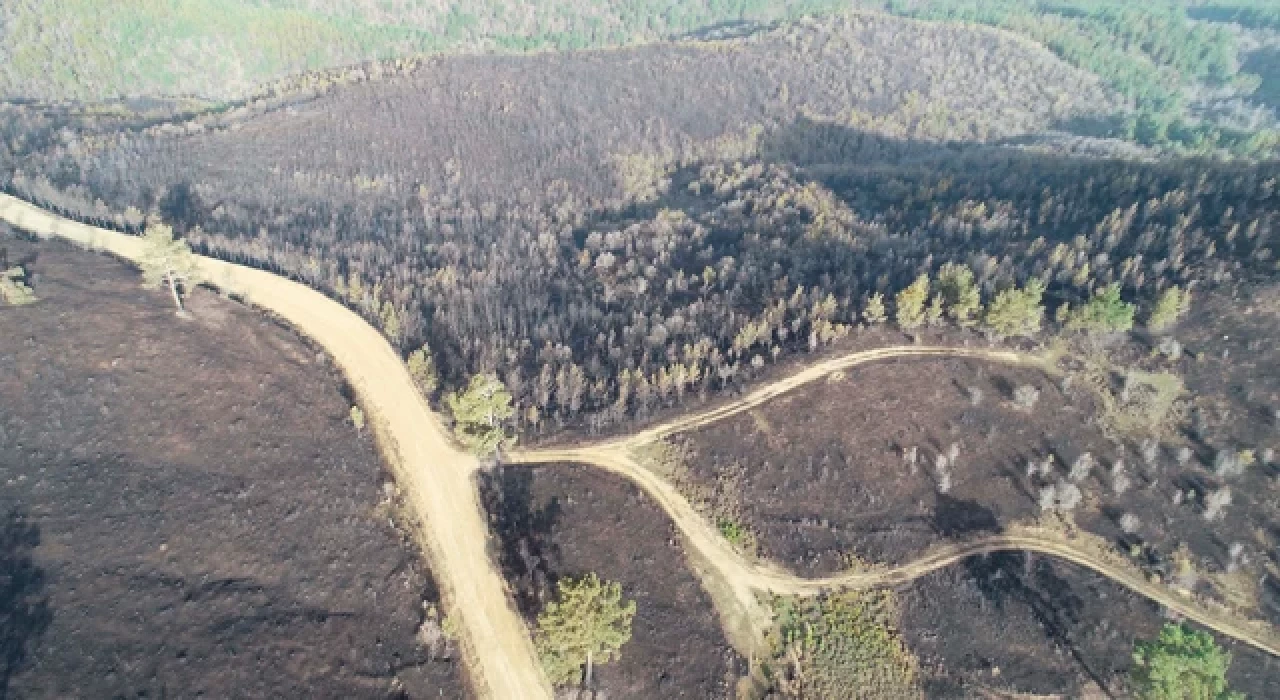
x=599, y=317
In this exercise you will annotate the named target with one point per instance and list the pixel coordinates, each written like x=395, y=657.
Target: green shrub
x=843, y=646
x=734, y=531
x=14, y=289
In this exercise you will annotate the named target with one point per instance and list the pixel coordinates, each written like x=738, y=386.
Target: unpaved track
x=436, y=479
x=746, y=617
x=819, y=371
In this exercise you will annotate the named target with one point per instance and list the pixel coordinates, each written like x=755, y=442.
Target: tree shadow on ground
x=1006, y=578
x=525, y=547
x=24, y=608
x=954, y=518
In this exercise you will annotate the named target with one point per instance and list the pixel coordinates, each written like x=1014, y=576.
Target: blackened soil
x=1014, y=623
x=185, y=509
x=566, y=520
x=823, y=471
x=819, y=473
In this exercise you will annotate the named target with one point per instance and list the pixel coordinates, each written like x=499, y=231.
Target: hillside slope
x=222, y=49
x=481, y=128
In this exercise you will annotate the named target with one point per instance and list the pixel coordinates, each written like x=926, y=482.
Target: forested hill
x=223, y=49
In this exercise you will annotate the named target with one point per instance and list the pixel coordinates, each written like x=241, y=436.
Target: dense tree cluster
x=1148, y=51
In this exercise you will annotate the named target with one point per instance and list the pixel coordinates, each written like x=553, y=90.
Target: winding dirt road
x=438, y=481
x=737, y=582
x=436, y=478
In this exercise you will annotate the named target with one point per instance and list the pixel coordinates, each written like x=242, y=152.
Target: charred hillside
x=613, y=232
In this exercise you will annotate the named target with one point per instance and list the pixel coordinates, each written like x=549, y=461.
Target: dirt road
x=737, y=583
x=436, y=479
x=819, y=371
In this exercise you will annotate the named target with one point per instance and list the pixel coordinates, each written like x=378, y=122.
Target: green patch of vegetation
x=1016, y=312
x=586, y=625
x=737, y=533
x=13, y=288
x=1181, y=664
x=1172, y=304
x=89, y=50
x=168, y=262
x=1256, y=14
x=959, y=293
x=910, y=303
x=422, y=368
x=480, y=415
x=842, y=645
x=1148, y=52
x=1105, y=312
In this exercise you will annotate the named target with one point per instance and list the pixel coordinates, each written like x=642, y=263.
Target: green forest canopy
x=221, y=49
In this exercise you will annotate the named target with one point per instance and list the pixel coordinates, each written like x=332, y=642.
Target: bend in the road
x=745, y=578
x=437, y=479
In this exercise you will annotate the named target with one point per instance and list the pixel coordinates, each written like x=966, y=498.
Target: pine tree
x=1016, y=312
x=168, y=262
x=392, y=326
x=1181, y=664
x=480, y=415
x=422, y=367
x=1105, y=312
x=875, y=313
x=1171, y=305
x=587, y=624
x=955, y=284
x=910, y=303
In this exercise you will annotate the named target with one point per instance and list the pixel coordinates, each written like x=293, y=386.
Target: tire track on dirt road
x=437, y=479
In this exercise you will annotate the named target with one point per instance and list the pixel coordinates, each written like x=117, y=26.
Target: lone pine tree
x=587, y=624
x=168, y=262
x=481, y=413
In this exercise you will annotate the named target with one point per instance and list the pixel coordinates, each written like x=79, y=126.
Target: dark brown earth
x=566, y=520
x=823, y=472
x=818, y=474
x=187, y=510
x=1014, y=623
